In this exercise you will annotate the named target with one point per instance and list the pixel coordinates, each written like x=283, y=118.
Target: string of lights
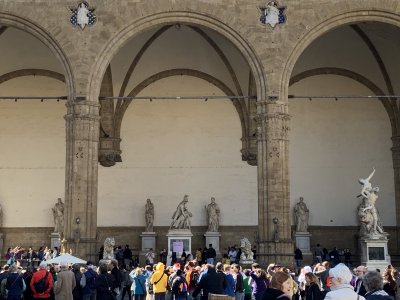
x=205, y=98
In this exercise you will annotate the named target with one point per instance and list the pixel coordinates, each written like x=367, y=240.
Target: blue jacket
x=230, y=286
x=138, y=283
x=90, y=279
x=14, y=285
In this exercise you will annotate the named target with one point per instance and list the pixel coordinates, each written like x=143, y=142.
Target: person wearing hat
x=65, y=283
x=159, y=280
x=41, y=273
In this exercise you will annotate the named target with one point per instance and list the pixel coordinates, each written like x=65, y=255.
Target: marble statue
x=213, y=216
x=245, y=246
x=109, y=244
x=149, y=214
x=370, y=224
x=58, y=214
x=367, y=186
x=181, y=217
x=301, y=215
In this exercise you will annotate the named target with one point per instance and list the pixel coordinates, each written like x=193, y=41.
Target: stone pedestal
x=55, y=241
x=303, y=242
x=179, y=240
x=148, y=241
x=213, y=238
x=374, y=252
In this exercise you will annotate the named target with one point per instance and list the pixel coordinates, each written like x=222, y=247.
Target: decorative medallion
x=82, y=15
x=272, y=13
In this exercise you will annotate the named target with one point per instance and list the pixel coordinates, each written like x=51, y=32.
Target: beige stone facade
x=227, y=47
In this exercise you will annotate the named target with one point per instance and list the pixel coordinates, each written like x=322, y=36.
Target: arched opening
x=176, y=147
x=337, y=142
x=32, y=131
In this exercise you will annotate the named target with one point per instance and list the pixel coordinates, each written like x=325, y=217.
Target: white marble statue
x=301, y=215
x=370, y=224
x=58, y=214
x=213, y=216
x=181, y=217
x=245, y=246
x=109, y=244
x=149, y=214
x=271, y=14
x=82, y=15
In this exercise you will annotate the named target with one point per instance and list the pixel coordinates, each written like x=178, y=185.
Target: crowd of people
x=189, y=279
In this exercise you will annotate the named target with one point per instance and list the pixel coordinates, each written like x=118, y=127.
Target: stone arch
x=40, y=33
x=314, y=33
x=176, y=72
x=155, y=20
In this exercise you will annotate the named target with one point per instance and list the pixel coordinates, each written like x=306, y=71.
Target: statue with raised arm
x=149, y=214
x=58, y=214
x=367, y=186
x=370, y=224
x=301, y=215
x=181, y=216
x=213, y=216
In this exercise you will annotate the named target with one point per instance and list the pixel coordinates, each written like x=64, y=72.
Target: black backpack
x=41, y=285
x=194, y=278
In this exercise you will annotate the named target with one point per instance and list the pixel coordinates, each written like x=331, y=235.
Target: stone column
x=396, y=168
x=82, y=125
x=273, y=183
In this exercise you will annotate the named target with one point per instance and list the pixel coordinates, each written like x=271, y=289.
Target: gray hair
x=341, y=271
x=373, y=280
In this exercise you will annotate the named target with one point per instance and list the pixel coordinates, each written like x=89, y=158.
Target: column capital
x=83, y=109
x=272, y=120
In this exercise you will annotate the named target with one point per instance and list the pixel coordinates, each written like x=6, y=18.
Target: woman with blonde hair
x=138, y=289
x=313, y=287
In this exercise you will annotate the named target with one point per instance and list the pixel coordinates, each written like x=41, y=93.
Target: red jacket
x=49, y=282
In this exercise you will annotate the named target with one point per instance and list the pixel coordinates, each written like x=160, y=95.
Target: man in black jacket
x=211, y=283
x=211, y=254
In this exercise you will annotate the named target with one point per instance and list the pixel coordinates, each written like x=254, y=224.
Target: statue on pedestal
x=109, y=244
x=370, y=224
x=245, y=246
x=58, y=214
x=149, y=214
x=213, y=216
x=301, y=215
x=181, y=217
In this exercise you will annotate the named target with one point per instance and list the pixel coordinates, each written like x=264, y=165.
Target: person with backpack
x=42, y=282
x=15, y=285
x=138, y=284
x=179, y=286
x=88, y=282
x=192, y=277
x=159, y=280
